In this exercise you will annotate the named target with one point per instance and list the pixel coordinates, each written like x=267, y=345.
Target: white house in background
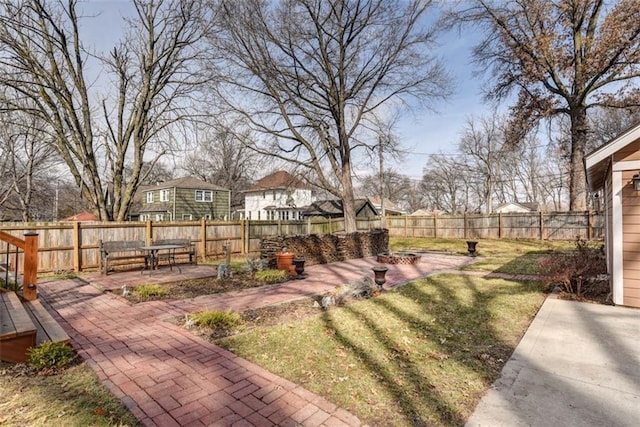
x=279, y=196
x=517, y=207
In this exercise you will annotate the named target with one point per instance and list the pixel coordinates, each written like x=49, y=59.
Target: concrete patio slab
x=578, y=364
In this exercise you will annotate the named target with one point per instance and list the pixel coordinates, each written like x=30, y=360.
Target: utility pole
x=382, y=212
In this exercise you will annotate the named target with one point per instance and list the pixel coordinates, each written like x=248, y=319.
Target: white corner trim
x=617, y=238
x=626, y=165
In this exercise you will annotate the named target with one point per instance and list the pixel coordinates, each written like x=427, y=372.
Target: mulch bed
x=197, y=287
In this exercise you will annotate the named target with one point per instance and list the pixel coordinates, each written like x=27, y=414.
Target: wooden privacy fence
x=73, y=246
x=586, y=225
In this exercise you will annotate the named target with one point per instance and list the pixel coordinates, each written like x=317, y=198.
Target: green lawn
x=422, y=354
x=500, y=256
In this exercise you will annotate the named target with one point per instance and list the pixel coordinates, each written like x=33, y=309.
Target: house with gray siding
x=182, y=199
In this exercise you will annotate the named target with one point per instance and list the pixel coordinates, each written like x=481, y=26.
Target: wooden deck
x=25, y=324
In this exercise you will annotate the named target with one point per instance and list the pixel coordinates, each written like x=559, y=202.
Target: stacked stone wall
x=326, y=248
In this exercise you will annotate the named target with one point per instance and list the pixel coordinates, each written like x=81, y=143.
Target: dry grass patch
x=71, y=397
x=423, y=354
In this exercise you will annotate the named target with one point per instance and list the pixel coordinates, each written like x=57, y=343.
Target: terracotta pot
x=284, y=261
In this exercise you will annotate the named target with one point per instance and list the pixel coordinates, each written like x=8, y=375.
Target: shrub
x=51, y=355
x=574, y=269
x=215, y=319
x=272, y=276
x=255, y=264
x=146, y=291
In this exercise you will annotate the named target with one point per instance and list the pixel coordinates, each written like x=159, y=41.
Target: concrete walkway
x=577, y=365
x=167, y=376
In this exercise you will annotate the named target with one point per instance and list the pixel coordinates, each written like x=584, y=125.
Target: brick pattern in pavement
x=167, y=376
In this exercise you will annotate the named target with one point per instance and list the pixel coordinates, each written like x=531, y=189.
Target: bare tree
x=395, y=187
x=443, y=186
x=561, y=58
x=308, y=75
x=481, y=146
x=608, y=124
x=222, y=156
x=27, y=163
x=44, y=61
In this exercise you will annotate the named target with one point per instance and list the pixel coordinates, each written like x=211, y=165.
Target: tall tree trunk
x=577, y=174
x=348, y=202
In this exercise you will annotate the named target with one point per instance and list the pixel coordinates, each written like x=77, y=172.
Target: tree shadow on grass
x=458, y=332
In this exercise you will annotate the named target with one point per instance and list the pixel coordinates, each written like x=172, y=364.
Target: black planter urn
x=471, y=247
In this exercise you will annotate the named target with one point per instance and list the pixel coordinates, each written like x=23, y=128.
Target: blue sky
x=422, y=132
x=429, y=132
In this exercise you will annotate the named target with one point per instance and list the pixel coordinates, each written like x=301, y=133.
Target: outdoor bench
x=120, y=250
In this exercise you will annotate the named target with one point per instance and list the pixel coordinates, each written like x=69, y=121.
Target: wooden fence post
x=435, y=225
x=243, y=242
x=149, y=231
x=541, y=226
x=30, y=278
x=464, y=218
x=203, y=239
x=499, y=225
x=77, y=254
x=589, y=225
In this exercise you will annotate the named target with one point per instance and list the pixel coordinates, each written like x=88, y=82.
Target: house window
x=285, y=215
x=258, y=215
x=187, y=217
x=204, y=196
x=207, y=216
x=149, y=196
x=164, y=195
x=144, y=217
x=159, y=217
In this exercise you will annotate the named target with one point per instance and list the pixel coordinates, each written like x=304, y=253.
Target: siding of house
x=631, y=238
x=630, y=152
x=186, y=204
x=366, y=212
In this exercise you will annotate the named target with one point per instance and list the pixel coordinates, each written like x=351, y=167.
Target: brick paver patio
x=167, y=376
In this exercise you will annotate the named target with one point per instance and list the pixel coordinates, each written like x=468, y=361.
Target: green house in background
x=182, y=199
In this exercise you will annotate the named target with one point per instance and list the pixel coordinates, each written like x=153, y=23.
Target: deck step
x=25, y=324
x=48, y=329
x=17, y=330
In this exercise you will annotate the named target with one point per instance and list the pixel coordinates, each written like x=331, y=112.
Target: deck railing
x=29, y=249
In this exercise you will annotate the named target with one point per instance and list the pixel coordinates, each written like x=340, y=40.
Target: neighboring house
x=333, y=209
x=82, y=216
x=426, y=212
x=612, y=170
x=390, y=208
x=279, y=196
x=517, y=207
x=179, y=199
